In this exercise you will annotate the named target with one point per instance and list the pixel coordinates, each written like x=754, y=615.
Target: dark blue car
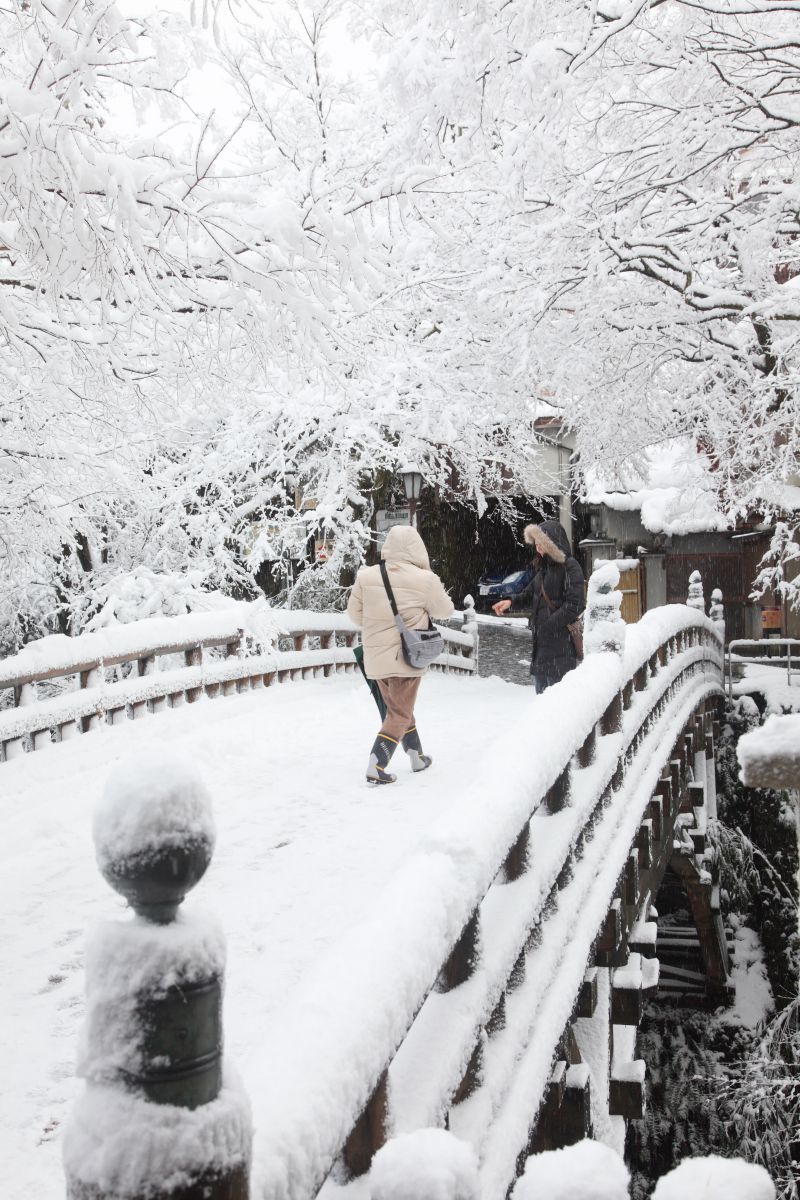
x=502, y=586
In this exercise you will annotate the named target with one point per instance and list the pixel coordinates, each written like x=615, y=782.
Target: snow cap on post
x=604, y=626
x=585, y=1171
x=715, y=1178
x=154, y=832
x=695, y=598
x=429, y=1164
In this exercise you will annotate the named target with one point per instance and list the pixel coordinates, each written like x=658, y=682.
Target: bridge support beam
x=708, y=922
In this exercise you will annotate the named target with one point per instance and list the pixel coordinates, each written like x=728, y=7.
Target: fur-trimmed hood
x=549, y=538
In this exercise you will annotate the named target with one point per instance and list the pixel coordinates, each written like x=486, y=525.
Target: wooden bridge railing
x=525, y=912
x=121, y=674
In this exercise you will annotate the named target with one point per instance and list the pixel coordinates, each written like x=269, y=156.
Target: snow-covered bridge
x=469, y=946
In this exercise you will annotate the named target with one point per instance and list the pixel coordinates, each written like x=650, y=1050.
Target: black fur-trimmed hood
x=550, y=539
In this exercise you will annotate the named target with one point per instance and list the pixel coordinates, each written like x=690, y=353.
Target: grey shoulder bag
x=420, y=646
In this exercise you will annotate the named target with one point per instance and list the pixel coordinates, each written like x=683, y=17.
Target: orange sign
x=770, y=618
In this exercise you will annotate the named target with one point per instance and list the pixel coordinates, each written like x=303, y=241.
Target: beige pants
x=399, y=694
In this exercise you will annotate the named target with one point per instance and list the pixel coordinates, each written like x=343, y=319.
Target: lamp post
x=412, y=482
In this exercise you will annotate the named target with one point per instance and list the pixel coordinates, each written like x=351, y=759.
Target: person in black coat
x=555, y=598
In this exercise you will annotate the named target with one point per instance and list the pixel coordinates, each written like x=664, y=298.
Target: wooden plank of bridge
x=463, y=957
x=546, y=1134
x=587, y=997
x=576, y=1107
x=516, y=862
x=610, y=940
x=471, y=1078
x=370, y=1130
x=626, y=1097
x=557, y=796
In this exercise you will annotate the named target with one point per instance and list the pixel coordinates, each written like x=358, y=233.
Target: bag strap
x=388, y=586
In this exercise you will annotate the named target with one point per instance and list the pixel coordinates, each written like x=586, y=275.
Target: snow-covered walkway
x=303, y=848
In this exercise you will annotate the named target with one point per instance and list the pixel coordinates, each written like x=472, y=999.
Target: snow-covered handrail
x=87, y=698
x=485, y=935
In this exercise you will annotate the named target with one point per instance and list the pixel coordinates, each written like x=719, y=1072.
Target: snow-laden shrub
x=586, y=1171
x=715, y=1178
x=142, y=593
x=429, y=1164
x=758, y=856
x=764, y=1099
x=318, y=589
x=691, y=1059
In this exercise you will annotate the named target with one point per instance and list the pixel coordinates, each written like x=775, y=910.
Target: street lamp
x=412, y=482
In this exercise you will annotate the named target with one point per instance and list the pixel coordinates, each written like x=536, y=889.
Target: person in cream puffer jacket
x=419, y=596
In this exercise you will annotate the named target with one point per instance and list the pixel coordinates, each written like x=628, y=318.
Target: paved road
x=505, y=650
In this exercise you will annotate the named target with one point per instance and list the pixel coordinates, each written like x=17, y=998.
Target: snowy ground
x=781, y=693
x=303, y=847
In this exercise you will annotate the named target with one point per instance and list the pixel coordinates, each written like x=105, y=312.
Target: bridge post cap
x=154, y=832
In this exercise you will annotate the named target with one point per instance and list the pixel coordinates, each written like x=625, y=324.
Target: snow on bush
x=586, y=1171
x=715, y=1178
x=126, y=1147
x=766, y=754
x=604, y=628
x=144, y=593
x=429, y=1164
x=141, y=594
x=151, y=800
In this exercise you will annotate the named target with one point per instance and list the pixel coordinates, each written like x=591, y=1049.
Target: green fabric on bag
x=358, y=653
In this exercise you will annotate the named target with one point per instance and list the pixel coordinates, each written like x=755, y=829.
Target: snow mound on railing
x=711, y=1177
x=429, y=1163
x=586, y=1171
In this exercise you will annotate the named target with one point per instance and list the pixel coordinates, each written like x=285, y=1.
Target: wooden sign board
x=771, y=618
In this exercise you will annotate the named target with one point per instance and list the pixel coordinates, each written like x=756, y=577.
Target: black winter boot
x=413, y=748
x=379, y=758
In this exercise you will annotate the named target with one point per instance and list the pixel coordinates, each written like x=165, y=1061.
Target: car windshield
x=515, y=577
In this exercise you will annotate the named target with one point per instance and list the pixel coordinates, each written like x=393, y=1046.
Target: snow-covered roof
x=671, y=486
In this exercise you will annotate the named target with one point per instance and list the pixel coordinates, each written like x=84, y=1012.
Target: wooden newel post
x=156, y=1118
x=716, y=611
x=604, y=628
x=469, y=625
x=695, y=598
